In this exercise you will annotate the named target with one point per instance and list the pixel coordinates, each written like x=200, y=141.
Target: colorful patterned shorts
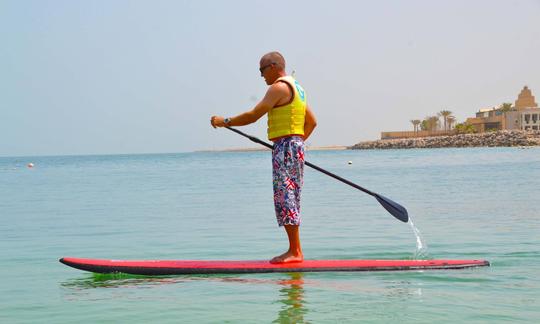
x=288, y=176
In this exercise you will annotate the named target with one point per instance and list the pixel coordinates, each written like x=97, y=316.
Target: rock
x=491, y=139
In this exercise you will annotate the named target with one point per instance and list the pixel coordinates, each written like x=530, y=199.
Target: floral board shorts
x=288, y=176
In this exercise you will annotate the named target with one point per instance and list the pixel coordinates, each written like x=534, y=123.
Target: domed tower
x=525, y=99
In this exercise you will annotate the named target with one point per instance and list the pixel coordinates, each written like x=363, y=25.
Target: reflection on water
x=402, y=290
x=291, y=288
x=118, y=280
x=287, y=290
x=292, y=298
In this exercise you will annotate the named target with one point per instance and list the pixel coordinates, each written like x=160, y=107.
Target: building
x=529, y=119
x=487, y=119
x=525, y=100
x=524, y=115
x=529, y=113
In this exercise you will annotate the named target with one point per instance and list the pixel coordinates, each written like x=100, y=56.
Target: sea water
x=475, y=203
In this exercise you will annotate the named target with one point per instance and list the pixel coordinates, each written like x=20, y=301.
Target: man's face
x=266, y=68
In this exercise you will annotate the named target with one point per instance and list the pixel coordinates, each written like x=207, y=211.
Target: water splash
x=421, y=247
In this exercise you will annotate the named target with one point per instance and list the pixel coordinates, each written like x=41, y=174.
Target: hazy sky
x=101, y=77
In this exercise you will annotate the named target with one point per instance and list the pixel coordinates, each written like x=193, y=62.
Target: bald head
x=273, y=58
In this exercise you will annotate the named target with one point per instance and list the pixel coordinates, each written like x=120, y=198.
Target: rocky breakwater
x=499, y=138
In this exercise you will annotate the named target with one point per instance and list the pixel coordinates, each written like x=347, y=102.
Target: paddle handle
x=311, y=165
x=252, y=138
x=335, y=176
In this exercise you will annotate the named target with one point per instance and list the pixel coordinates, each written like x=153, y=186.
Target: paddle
x=392, y=207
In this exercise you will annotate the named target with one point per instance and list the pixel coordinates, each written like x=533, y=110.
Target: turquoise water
x=467, y=203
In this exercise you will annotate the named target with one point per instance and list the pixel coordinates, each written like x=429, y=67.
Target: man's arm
x=275, y=93
x=310, y=122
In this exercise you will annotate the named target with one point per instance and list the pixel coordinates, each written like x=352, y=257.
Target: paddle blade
x=393, y=208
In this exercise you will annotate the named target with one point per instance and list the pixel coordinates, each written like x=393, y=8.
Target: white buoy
x=350, y=162
x=30, y=165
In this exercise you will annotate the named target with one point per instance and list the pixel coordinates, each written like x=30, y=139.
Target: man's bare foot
x=288, y=257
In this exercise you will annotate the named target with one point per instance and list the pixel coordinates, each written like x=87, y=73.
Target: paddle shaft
x=311, y=165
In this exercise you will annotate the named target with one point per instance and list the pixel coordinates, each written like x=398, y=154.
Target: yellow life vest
x=288, y=119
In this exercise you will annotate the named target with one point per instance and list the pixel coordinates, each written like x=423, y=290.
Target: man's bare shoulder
x=279, y=86
x=279, y=89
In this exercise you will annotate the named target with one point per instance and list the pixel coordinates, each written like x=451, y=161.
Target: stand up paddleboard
x=158, y=267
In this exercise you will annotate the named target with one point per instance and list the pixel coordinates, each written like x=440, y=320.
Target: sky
x=120, y=77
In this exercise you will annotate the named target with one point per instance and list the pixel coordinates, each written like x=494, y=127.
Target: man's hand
x=217, y=121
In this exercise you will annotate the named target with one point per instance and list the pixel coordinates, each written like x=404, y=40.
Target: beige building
x=487, y=119
x=525, y=100
x=524, y=115
x=529, y=113
x=530, y=119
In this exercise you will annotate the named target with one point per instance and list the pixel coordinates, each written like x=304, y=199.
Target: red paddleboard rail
x=170, y=267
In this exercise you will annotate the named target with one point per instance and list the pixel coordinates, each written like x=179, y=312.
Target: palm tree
x=424, y=125
x=445, y=114
x=451, y=120
x=434, y=122
x=430, y=123
x=415, y=123
x=505, y=107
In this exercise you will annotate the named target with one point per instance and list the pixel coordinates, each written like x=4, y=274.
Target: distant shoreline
x=502, y=138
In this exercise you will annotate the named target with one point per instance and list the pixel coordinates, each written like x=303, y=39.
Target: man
x=290, y=123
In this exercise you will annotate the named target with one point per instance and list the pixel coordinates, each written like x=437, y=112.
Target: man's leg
x=288, y=167
x=294, y=254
